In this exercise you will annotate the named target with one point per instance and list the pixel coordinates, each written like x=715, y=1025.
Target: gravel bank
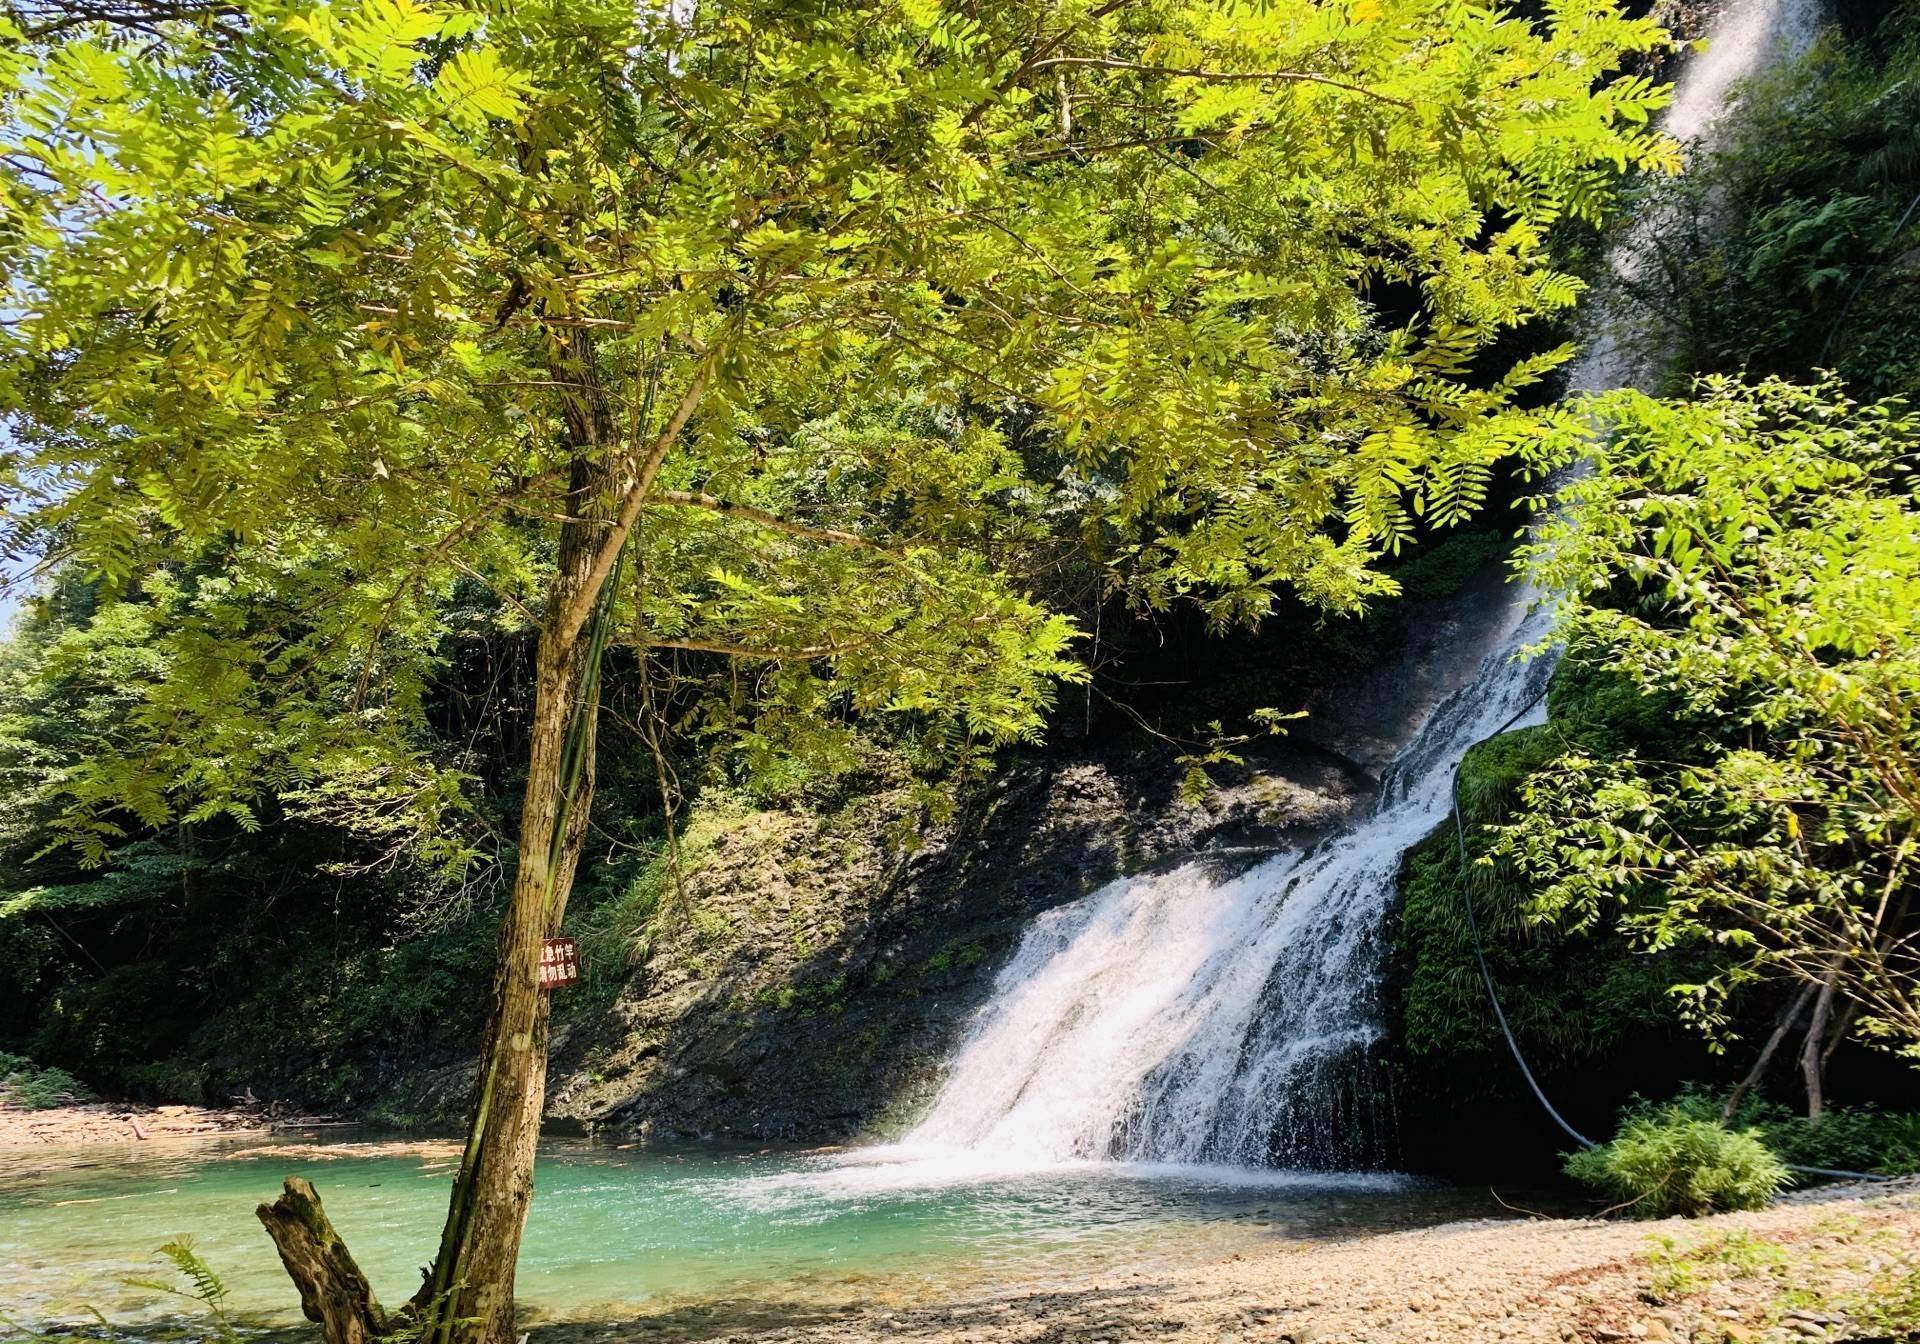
x=105, y=1122
x=1802, y=1271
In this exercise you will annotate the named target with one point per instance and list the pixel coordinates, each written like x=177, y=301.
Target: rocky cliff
x=811, y=974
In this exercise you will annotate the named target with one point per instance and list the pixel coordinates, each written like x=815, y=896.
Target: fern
x=205, y=1288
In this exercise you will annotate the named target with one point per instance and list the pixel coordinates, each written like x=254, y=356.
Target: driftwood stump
x=333, y=1291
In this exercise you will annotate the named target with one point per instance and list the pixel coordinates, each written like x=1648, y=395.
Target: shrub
x=1669, y=1160
x=1850, y=1139
x=1845, y=1138
x=35, y=1089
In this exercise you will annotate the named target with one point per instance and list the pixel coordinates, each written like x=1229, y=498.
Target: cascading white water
x=1176, y=1018
x=1172, y=1018
x=1747, y=37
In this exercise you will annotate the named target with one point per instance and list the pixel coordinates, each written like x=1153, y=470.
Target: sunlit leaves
x=476, y=85
x=384, y=36
x=1769, y=540
x=311, y=298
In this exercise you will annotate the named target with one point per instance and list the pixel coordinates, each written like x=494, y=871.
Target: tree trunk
x=467, y=1297
x=469, y=1293
x=1812, y=1058
x=471, y=1289
x=333, y=1291
x=1767, y=1052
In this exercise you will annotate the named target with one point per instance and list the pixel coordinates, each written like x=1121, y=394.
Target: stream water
x=617, y=1233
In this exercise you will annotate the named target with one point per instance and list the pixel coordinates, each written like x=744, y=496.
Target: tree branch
x=1225, y=76
x=743, y=651
x=580, y=604
x=1084, y=149
x=1033, y=58
x=691, y=500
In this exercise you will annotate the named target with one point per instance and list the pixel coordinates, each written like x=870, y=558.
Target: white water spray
x=1176, y=1018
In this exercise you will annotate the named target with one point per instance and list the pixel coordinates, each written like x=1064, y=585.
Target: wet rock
x=820, y=975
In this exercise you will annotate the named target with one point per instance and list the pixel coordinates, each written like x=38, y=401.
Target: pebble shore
x=106, y=1122
x=1796, y=1273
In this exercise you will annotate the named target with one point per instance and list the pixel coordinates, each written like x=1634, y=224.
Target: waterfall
x=1172, y=1018
x=1178, y=1018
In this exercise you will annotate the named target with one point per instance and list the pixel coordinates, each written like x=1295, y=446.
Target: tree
x=1754, y=556
x=758, y=330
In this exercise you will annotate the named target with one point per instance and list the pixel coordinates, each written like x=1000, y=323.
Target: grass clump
x=24, y=1084
x=1679, y=1270
x=1865, y=1138
x=1669, y=1160
x=1889, y=1308
x=617, y=929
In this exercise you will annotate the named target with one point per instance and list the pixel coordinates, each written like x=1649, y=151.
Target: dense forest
x=817, y=487
x=287, y=952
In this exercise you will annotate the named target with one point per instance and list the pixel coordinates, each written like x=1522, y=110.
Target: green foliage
x=1219, y=748
x=1679, y=1269
x=1666, y=1161
x=1748, y=259
x=260, y=972
x=1576, y=997
x=203, y=1287
x=120, y=956
x=1844, y=1138
x=1787, y=246
x=711, y=928
x=1571, y=999
x=1607, y=713
x=960, y=953
x=303, y=958
x=1751, y=558
x=32, y=1088
x=840, y=322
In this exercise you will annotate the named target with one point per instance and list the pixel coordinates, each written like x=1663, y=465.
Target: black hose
x=1473, y=925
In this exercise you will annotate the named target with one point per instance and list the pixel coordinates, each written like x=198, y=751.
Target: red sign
x=559, y=962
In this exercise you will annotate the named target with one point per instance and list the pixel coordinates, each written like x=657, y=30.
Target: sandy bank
x=117, y=1122
x=1799, y=1272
